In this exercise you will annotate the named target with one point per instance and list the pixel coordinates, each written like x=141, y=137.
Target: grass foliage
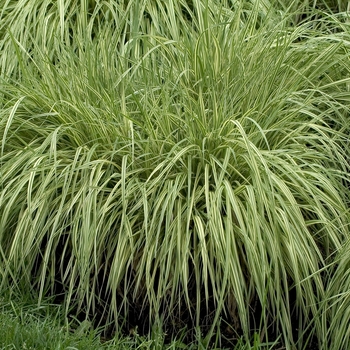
x=184, y=162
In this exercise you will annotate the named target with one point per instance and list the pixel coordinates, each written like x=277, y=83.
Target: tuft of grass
x=184, y=163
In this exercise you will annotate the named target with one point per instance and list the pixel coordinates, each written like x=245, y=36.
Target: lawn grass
x=25, y=326
x=182, y=163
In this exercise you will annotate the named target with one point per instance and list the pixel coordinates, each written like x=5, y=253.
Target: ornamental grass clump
x=184, y=164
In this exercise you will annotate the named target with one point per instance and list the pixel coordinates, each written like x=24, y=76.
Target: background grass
x=181, y=163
